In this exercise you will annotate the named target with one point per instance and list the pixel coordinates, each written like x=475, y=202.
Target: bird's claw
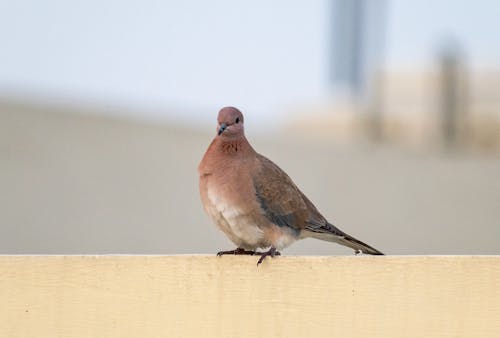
x=271, y=252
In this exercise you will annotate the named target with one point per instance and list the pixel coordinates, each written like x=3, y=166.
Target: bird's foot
x=271, y=252
x=358, y=252
x=237, y=251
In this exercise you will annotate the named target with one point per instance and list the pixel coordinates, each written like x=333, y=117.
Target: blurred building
x=444, y=104
x=419, y=108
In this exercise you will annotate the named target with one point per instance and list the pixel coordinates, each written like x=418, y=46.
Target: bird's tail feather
x=333, y=234
x=355, y=244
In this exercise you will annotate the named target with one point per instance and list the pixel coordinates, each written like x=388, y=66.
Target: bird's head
x=230, y=123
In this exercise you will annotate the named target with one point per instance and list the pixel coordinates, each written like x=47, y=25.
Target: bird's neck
x=232, y=146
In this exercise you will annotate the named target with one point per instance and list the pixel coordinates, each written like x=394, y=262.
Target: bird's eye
x=237, y=120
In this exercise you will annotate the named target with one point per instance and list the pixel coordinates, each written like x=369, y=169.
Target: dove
x=254, y=202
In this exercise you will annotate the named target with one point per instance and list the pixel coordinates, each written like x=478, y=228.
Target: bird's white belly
x=238, y=225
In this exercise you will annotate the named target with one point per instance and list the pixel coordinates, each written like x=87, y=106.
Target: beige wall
x=200, y=296
x=73, y=183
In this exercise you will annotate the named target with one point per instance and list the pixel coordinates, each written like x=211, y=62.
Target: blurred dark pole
x=452, y=98
x=357, y=39
x=358, y=36
x=348, y=44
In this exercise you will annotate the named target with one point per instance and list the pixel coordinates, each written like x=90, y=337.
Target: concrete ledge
x=205, y=296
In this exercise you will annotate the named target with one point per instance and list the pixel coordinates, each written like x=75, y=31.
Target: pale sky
x=186, y=59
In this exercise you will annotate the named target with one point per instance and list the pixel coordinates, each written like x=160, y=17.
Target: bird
x=254, y=202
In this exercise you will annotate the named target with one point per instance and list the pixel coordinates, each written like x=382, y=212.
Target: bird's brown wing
x=280, y=199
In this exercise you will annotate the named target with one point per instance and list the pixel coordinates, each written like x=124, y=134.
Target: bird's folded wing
x=280, y=199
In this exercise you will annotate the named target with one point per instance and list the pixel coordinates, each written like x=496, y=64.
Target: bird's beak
x=222, y=127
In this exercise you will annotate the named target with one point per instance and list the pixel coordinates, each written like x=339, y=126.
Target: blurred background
x=385, y=113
